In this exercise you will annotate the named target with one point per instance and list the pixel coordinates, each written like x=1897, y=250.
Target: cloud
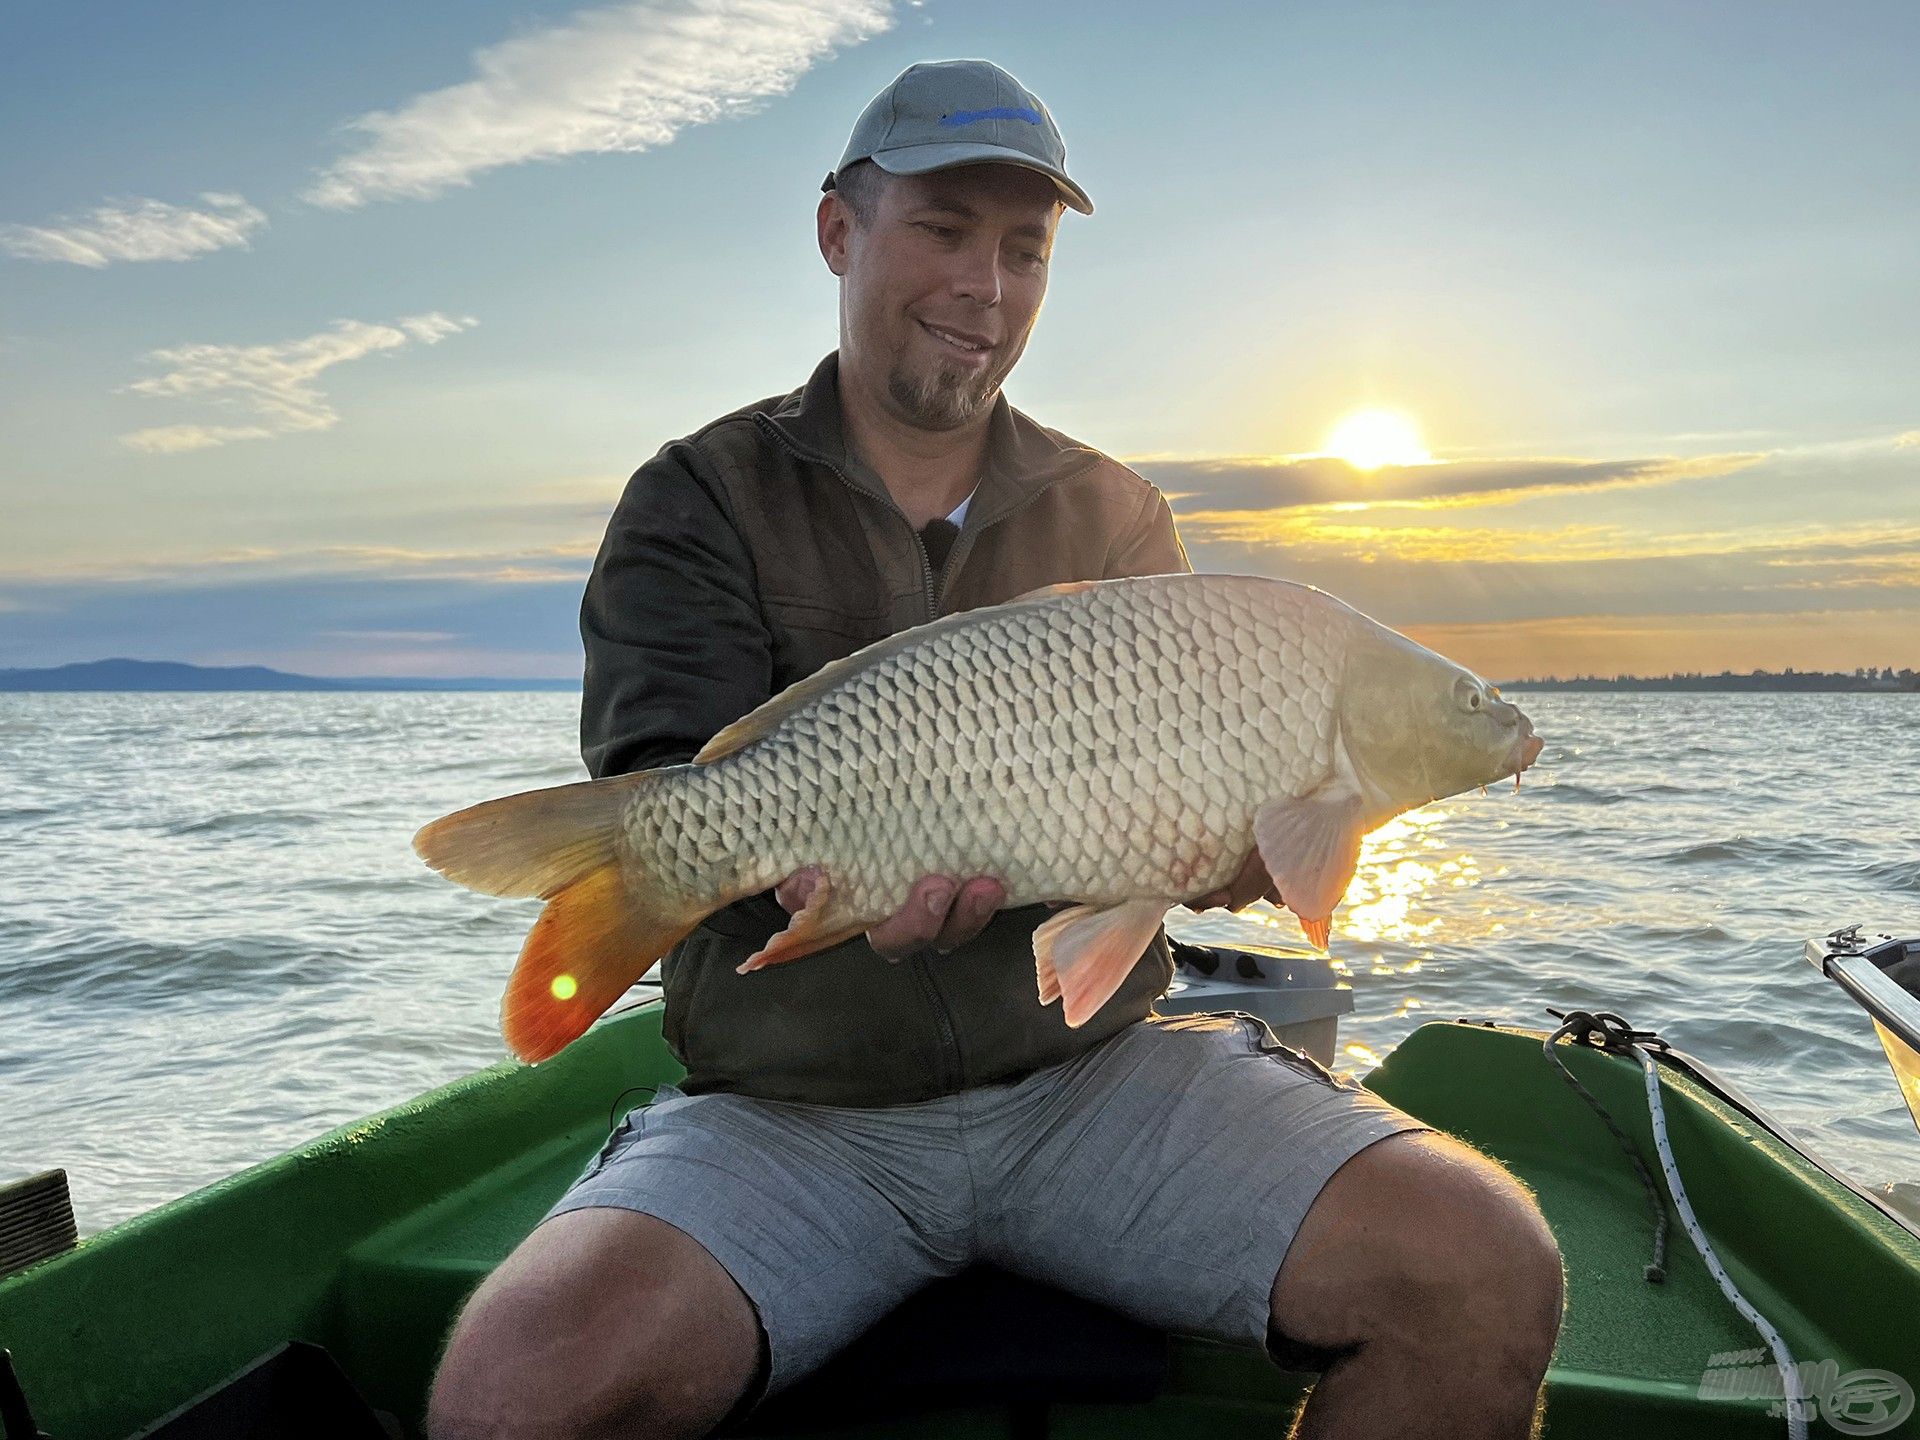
x=620, y=79
x=364, y=623
x=1862, y=545
x=272, y=385
x=177, y=439
x=1602, y=582
x=1596, y=599
x=1431, y=545
x=1417, y=577
x=396, y=637
x=1216, y=484
x=397, y=616
x=540, y=564
x=137, y=230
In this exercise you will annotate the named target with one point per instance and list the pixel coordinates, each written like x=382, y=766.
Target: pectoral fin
x=1082, y=955
x=815, y=926
x=1311, y=848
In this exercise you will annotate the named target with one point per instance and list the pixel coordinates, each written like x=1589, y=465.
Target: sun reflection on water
x=1399, y=872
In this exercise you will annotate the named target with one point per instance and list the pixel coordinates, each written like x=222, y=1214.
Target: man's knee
x=604, y=1322
x=1498, y=1264
x=1423, y=1242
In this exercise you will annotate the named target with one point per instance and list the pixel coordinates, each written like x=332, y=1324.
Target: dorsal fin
x=765, y=719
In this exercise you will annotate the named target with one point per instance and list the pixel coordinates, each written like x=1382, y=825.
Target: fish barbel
x=1122, y=745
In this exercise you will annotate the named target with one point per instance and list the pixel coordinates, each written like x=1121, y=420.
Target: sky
x=330, y=334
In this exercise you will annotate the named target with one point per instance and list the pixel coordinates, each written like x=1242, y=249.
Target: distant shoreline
x=168, y=676
x=1905, y=683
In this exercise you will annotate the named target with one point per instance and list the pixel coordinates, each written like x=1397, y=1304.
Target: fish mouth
x=1526, y=749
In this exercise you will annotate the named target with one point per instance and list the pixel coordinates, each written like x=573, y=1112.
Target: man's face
x=941, y=286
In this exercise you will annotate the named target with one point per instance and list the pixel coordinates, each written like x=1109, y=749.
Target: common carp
x=1121, y=745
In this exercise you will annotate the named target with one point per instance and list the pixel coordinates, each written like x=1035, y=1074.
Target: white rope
x=1796, y=1399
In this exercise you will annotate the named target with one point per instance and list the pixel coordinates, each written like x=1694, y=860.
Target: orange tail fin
x=603, y=926
x=594, y=939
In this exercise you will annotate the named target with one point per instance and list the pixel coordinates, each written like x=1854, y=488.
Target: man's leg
x=1193, y=1174
x=717, y=1249
x=1428, y=1275
x=604, y=1322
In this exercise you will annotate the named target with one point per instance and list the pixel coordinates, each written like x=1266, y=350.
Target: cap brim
x=924, y=159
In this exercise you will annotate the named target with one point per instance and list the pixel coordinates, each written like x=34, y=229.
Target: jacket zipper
x=954, y=558
x=933, y=610
x=926, y=562
x=922, y=973
x=933, y=596
x=922, y=970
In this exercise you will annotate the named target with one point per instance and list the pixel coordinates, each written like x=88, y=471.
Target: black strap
x=1607, y=1031
x=16, y=1420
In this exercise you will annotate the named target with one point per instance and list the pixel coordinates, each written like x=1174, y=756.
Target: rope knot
x=1603, y=1030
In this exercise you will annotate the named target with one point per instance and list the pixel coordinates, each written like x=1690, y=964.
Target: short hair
x=859, y=186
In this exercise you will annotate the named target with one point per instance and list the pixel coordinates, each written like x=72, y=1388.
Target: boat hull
x=367, y=1240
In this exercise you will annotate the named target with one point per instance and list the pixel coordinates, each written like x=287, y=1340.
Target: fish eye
x=1467, y=695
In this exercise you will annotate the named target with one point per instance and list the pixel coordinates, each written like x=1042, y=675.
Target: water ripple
x=255, y=824
x=210, y=965
x=1894, y=874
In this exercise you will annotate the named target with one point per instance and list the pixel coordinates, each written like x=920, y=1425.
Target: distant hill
x=174, y=675
x=1868, y=681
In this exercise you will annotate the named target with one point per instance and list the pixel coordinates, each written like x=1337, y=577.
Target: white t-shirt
x=958, y=515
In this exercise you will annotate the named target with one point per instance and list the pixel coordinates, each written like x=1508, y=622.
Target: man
x=851, y=1129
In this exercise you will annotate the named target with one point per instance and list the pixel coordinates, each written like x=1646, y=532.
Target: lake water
x=216, y=943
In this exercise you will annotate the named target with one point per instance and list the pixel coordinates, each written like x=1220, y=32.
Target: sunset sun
x=1368, y=439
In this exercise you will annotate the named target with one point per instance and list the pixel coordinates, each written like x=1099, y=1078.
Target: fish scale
x=1066, y=747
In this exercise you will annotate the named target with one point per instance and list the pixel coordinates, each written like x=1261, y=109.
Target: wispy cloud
x=1223, y=483
x=137, y=230
x=539, y=564
x=271, y=386
x=397, y=637
x=349, y=622
x=624, y=78
x=1843, y=553
x=1812, y=597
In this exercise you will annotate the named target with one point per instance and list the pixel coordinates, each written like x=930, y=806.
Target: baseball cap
x=943, y=113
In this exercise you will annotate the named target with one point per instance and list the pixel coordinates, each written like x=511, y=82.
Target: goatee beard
x=943, y=400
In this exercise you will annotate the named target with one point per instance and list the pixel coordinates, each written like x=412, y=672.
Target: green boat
x=310, y=1294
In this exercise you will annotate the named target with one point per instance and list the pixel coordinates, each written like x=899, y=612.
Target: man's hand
x=941, y=912
x=1251, y=884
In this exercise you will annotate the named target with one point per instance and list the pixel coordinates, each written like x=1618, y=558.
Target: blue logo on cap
x=1000, y=112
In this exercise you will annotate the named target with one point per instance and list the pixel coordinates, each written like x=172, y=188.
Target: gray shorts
x=1163, y=1173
